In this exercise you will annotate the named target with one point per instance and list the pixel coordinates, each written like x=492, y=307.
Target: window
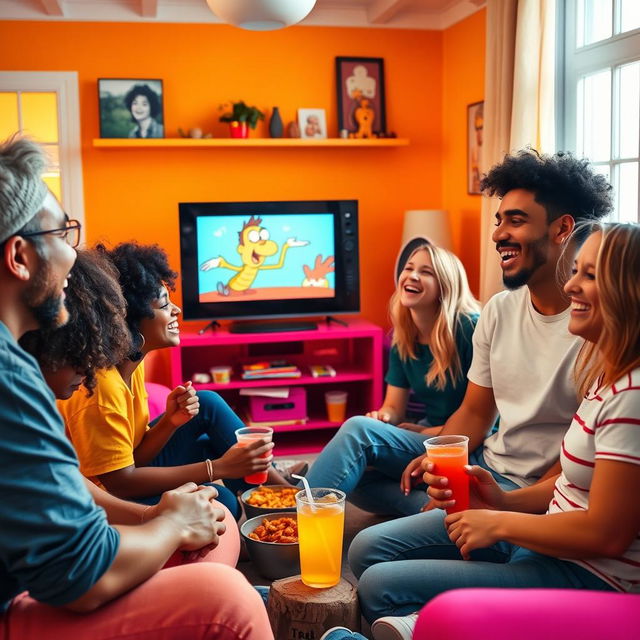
x=44, y=106
x=601, y=111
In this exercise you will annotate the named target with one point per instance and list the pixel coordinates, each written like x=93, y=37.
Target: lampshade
x=422, y=226
x=261, y=15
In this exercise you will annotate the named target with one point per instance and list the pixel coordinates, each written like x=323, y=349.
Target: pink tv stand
x=355, y=352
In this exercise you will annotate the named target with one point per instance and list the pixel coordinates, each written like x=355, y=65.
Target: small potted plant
x=240, y=117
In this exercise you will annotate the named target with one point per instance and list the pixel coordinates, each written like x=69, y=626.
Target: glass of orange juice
x=247, y=435
x=449, y=455
x=320, y=531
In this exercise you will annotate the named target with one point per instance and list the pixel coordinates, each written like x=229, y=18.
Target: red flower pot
x=239, y=129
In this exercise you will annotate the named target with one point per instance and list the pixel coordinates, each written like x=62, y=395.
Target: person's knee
x=210, y=400
x=364, y=550
x=358, y=428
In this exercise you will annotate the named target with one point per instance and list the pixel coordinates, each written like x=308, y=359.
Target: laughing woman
x=117, y=448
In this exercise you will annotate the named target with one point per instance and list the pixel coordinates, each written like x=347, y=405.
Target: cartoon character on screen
x=317, y=277
x=254, y=247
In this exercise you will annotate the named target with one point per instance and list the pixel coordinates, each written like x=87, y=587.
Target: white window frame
x=65, y=85
x=572, y=64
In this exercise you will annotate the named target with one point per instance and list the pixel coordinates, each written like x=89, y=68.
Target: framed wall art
x=475, y=126
x=312, y=123
x=130, y=108
x=361, y=100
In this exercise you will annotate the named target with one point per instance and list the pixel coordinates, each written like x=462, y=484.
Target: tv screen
x=269, y=259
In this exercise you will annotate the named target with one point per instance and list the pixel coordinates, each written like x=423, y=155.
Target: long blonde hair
x=617, y=351
x=456, y=299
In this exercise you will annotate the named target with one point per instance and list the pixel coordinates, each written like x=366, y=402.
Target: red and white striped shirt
x=605, y=427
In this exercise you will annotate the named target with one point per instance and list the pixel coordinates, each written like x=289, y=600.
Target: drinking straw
x=314, y=509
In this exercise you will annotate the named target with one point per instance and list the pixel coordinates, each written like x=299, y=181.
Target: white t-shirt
x=527, y=359
x=605, y=427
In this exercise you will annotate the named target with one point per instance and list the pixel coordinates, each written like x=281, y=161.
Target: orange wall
x=462, y=83
x=430, y=77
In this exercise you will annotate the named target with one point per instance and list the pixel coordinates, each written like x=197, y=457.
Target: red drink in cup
x=449, y=455
x=246, y=436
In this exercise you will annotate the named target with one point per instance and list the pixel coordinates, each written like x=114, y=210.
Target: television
x=243, y=260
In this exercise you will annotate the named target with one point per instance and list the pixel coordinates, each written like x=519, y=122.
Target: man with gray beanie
x=58, y=553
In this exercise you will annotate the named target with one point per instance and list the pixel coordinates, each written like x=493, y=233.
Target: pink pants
x=208, y=599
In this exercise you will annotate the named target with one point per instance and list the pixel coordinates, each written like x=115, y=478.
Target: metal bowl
x=252, y=511
x=272, y=560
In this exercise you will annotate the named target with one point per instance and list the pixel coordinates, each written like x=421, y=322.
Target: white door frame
x=65, y=85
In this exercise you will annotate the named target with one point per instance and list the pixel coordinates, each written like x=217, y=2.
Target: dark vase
x=275, y=124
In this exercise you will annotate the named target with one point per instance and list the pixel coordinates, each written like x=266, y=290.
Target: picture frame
x=312, y=123
x=131, y=108
x=475, y=127
x=361, y=97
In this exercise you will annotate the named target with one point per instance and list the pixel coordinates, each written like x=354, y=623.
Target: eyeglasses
x=70, y=233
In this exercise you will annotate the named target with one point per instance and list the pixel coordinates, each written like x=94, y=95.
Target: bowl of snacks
x=272, y=543
x=269, y=498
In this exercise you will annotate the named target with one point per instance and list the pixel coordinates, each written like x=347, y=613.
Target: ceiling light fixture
x=261, y=15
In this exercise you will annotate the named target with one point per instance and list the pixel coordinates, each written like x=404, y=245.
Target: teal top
x=410, y=374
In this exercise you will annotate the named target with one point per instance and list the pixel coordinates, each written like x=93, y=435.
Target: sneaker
x=263, y=590
x=341, y=633
x=286, y=467
x=394, y=627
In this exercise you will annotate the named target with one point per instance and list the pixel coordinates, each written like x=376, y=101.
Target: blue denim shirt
x=54, y=541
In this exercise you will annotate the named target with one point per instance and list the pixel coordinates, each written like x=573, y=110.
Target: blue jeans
x=365, y=459
x=404, y=563
x=208, y=435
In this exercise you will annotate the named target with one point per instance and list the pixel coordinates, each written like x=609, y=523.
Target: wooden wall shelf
x=133, y=143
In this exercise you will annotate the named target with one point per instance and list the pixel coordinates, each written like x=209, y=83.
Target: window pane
x=629, y=15
x=594, y=21
x=629, y=122
x=40, y=116
x=628, y=192
x=594, y=106
x=9, y=123
x=53, y=182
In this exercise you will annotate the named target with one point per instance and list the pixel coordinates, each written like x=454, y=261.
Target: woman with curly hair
x=144, y=105
x=116, y=446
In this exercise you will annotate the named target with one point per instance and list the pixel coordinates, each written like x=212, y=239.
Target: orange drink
x=449, y=455
x=336, y=405
x=246, y=436
x=320, y=531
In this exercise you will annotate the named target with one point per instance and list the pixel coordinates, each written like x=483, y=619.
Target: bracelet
x=144, y=511
x=209, y=464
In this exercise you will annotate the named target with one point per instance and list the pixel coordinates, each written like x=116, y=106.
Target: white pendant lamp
x=261, y=15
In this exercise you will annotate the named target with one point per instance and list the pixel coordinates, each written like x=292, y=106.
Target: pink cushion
x=157, y=398
x=529, y=614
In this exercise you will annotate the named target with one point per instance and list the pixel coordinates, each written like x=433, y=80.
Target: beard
x=47, y=307
x=538, y=252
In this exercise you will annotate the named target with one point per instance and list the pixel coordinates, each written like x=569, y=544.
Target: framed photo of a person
x=312, y=123
x=475, y=126
x=361, y=105
x=130, y=108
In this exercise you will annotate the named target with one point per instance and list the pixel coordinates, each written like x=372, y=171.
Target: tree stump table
x=299, y=612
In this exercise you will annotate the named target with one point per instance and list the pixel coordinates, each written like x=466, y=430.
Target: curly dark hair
x=143, y=269
x=146, y=91
x=561, y=183
x=96, y=335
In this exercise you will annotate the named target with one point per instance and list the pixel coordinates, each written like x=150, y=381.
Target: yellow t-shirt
x=106, y=428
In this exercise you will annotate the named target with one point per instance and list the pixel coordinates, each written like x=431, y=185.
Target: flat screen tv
x=246, y=260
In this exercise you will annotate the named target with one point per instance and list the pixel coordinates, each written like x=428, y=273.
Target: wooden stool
x=298, y=612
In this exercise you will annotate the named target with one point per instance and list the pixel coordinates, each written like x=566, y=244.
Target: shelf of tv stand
x=303, y=380
x=191, y=143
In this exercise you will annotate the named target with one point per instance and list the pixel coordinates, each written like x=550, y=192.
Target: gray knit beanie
x=22, y=190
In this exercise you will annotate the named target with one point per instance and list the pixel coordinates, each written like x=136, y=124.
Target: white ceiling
x=397, y=14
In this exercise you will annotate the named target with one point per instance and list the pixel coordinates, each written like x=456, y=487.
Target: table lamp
x=422, y=226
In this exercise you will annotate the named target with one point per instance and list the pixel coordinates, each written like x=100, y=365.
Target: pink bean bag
x=529, y=614
x=157, y=398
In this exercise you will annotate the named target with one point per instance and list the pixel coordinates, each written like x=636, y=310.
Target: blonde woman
x=433, y=315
